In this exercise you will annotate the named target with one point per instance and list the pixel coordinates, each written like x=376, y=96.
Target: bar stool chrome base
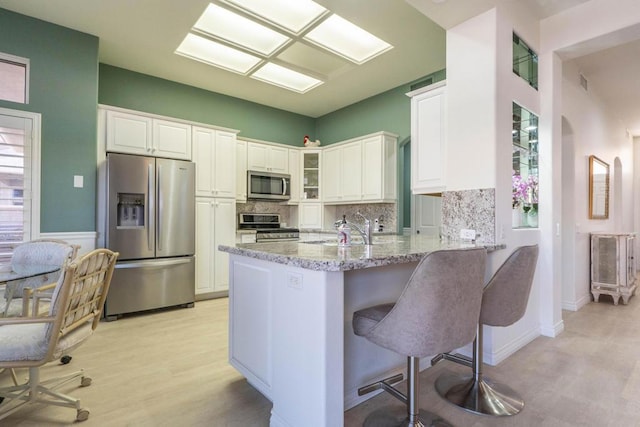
x=480, y=396
x=396, y=416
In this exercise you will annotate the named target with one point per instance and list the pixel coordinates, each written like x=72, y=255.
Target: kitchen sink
x=355, y=242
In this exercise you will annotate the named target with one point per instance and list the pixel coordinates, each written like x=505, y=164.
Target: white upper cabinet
x=171, y=139
x=342, y=174
x=215, y=157
x=137, y=134
x=428, y=139
x=241, y=171
x=360, y=170
x=294, y=169
x=267, y=158
x=379, y=172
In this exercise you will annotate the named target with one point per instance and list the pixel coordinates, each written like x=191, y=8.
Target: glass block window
x=14, y=78
x=524, y=175
x=525, y=62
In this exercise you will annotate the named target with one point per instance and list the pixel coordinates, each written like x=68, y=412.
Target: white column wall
x=471, y=104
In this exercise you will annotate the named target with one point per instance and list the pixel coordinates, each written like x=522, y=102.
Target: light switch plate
x=78, y=181
x=467, y=234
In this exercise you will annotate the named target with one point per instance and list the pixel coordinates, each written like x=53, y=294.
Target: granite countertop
x=326, y=255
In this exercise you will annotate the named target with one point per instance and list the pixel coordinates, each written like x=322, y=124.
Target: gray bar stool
x=437, y=311
x=504, y=302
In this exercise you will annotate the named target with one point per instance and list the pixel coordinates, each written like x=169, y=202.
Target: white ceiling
x=142, y=36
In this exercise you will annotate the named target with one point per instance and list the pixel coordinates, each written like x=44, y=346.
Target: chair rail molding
x=86, y=239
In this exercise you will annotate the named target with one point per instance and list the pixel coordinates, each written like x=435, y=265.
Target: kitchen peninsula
x=290, y=310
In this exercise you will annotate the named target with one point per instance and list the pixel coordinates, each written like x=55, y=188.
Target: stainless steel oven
x=268, y=186
x=268, y=227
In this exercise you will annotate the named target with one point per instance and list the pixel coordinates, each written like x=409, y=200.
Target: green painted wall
x=127, y=89
x=64, y=90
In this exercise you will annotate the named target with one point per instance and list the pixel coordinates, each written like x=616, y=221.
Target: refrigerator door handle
x=147, y=218
x=154, y=264
x=159, y=209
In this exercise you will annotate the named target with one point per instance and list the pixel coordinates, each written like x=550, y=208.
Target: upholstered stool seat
x=504, y=302
x=437, y=310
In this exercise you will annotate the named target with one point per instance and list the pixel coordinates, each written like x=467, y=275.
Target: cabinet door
x=294, y=170
x=204, y=245
x=241, y=171
x=257, y=157
x=225, y=234
x=224, y=164
x=171, y=139
x=278, y=160
x=331, y=165
x=310, y=215
x=351, y=172
x=428, y=139
x=373, y=171
x=203, y=150
x=128, y=133
x=267, y=158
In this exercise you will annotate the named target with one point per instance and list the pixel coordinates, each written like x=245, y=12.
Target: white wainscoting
x=86, y=239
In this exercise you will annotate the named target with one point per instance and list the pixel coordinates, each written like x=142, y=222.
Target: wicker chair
x=74, y=313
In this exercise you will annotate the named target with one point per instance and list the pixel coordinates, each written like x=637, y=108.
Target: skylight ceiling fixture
x=286, y=78
x=263, y=39
x=219, y=55
x=223, y=24
x=346, y=39
x=290, y=15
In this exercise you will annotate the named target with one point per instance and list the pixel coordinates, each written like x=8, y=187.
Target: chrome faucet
x=365, y=231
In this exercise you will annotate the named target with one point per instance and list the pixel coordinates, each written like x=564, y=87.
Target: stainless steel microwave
x=268, y=186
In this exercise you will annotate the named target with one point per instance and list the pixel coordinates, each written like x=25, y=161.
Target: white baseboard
x=576, y=305
x=552, y=331
x=501, y=354
x=86, y=239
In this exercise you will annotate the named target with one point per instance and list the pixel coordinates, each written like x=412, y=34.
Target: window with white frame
x=19, y=179
x=14, y=78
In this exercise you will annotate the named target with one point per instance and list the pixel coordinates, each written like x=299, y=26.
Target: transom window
x=14, y=78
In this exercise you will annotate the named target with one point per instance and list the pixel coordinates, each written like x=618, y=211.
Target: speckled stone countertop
x=325, y=255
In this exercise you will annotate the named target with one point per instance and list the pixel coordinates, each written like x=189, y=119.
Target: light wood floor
x=170, y=368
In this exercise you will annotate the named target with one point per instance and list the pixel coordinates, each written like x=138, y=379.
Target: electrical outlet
x=294, y=280
x=467, y=234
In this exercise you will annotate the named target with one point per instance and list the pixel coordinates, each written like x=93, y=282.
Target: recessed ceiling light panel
x=292, y=15
x=222, y=23
x=286, y=78
x=213, y=53
x=347, y=39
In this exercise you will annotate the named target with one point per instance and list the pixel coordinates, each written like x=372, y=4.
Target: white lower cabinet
x=310, y=216
x=215, y=225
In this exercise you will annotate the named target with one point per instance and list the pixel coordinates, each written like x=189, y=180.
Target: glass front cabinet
x=613, y=270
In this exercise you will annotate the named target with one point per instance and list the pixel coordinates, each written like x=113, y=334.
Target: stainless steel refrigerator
x=150, y=221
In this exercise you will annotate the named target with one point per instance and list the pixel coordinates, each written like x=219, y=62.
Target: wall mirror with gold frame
x=598, y=188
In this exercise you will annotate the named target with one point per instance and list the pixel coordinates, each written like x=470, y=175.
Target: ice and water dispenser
x=130, y=210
